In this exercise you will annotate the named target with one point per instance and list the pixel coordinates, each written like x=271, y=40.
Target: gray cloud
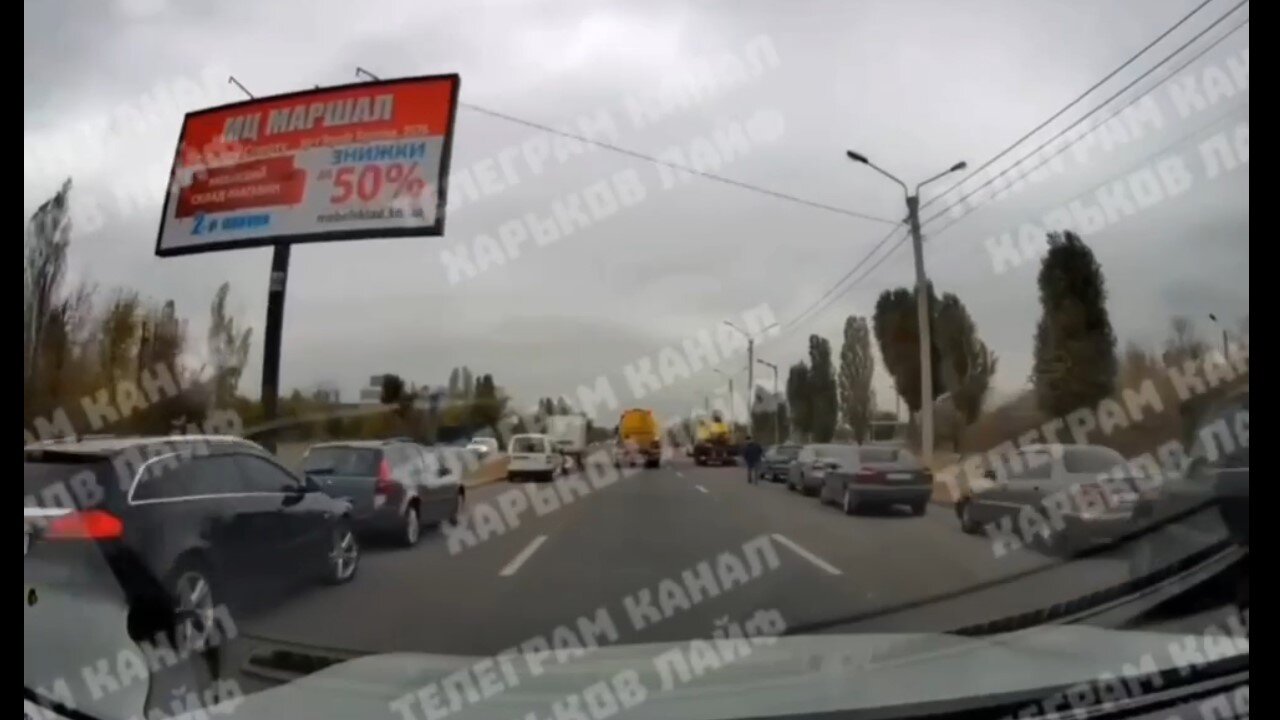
x=918, y=84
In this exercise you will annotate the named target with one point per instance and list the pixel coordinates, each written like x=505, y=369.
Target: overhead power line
x=1133, y=58
x=814, y=309
x=1217, y=120
x=676, y=166
x=1099, y=106
x=903, y=241
x=801, y=316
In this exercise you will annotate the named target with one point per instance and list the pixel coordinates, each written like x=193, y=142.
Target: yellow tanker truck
x=639, y=439
x=714, y=442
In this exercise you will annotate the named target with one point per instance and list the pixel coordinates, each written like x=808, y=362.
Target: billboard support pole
x=275, y=331
x=275, y=321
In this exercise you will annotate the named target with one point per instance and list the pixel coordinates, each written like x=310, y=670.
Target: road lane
x=631, y=535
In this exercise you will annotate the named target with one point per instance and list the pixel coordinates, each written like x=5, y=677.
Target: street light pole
x=1225, y=344
x=751, y=366
x=777, y=406
x=732, y=414
x=923, y=316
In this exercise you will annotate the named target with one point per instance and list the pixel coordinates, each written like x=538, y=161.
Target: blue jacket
x=752, y=453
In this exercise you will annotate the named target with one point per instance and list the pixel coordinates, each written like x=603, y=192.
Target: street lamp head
x=857, y=157
x=959, y=166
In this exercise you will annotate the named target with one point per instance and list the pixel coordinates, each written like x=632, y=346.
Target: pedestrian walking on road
x=752, y=453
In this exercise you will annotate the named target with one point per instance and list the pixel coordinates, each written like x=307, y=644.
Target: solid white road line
x=797, y=549
x=514, y=566
x=702, y=489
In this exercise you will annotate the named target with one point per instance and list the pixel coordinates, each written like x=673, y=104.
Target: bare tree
x=857, y=368
x=228, y=348
x=48, y=235
x=119, y=334
x=1183, y=343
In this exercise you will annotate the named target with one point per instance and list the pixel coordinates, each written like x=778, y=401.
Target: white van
x=532, y=457
x=569, y=434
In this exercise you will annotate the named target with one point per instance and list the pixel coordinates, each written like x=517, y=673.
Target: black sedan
x=182, y=527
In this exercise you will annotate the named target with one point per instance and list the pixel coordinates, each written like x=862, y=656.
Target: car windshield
x=880, y=455
x=845, y=453
x=529, y=445
x=342, y=461
x=516, y=359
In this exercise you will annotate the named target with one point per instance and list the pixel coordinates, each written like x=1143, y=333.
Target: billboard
x=367, y=160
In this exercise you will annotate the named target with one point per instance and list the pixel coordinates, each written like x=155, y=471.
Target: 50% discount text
x=373, y=182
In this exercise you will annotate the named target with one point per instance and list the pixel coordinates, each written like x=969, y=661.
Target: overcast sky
x=916, y=84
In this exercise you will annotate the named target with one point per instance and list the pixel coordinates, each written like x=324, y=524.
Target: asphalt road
x=592, y=553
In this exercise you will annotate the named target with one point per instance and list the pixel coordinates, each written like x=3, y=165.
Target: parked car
x=533, y=457
x=182, y=526
x=861, y=477
x=808, y=471
x=395, y=487
x=776, y=464
x=1042, y=478
x=1208, y=503
x=485, y=447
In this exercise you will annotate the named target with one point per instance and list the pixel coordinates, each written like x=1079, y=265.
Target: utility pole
x=923, y=321
x=1225, y=343
x=751, y=365
x=777, y=406
x=923, y=316
x=751, y=384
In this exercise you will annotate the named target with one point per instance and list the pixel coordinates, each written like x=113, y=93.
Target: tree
x=467, y=383
x=824, y=406
x=1075, y=347
x=48, y=235
x=1183, y=343
x=119, y=337
x=488, y=406
x=798, y=398
x=393, y=390
x=857, y=369
x=967, y=363
x=896, y=326
x=228, y=348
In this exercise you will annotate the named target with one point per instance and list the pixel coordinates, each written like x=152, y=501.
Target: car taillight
x=384, y=484
x=88, y=525
x=870, y=477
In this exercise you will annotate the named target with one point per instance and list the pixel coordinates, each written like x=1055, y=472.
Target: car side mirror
x=309, y=484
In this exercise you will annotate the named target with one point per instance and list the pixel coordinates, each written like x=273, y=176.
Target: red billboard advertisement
x=367, y=160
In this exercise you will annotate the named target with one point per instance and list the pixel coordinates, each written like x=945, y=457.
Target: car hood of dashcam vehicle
x=801, y=674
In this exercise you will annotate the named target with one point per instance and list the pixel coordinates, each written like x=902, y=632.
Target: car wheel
x=967, y=524
x=411, y=531
x=344, y=555
x=849, y=503
x=191, y=591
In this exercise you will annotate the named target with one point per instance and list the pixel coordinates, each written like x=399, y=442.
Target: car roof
x=111, y=445
x=361, y=444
